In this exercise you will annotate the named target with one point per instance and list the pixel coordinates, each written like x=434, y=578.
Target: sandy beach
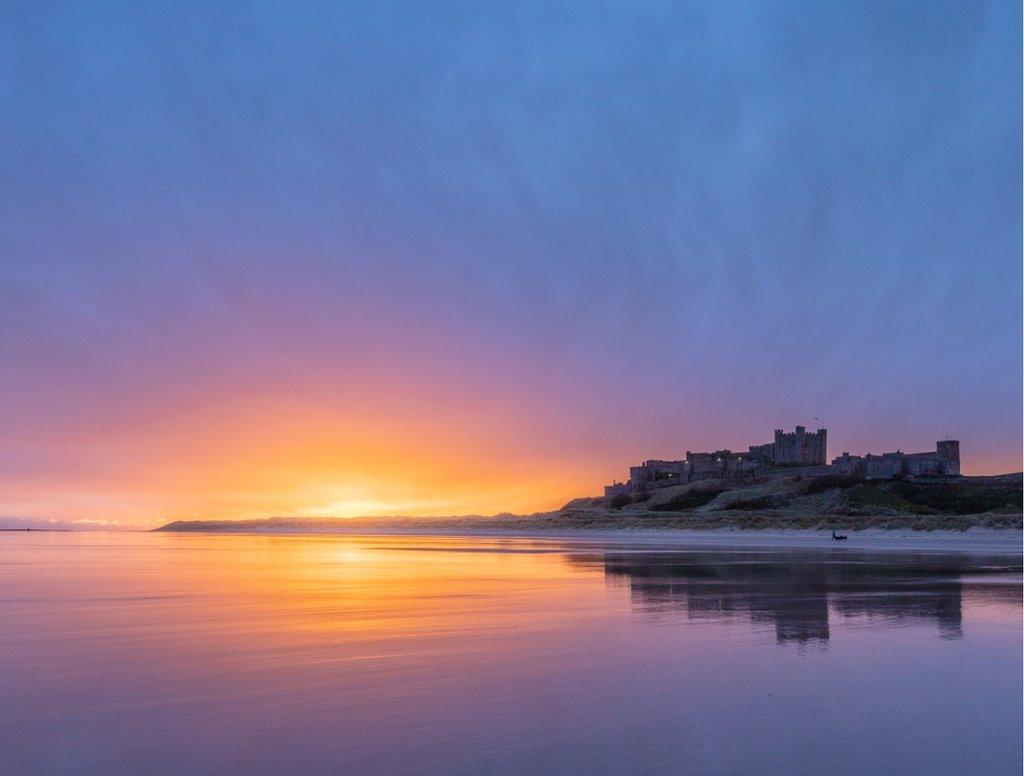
x=973, y=540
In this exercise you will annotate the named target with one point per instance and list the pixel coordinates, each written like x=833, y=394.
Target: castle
x=798, y=453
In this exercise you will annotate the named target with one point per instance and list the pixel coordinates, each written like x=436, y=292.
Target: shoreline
x=1009, y=541
x=615, y=522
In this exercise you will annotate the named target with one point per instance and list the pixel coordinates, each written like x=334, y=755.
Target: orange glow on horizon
x=261, y=459
x=302, y=454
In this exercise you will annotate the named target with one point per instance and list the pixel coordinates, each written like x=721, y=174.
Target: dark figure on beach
x=838, y=537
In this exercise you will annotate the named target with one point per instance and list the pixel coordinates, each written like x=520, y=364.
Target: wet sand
x=586, y=652
x=972, y=540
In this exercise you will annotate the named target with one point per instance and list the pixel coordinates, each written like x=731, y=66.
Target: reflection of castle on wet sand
x=797, y=591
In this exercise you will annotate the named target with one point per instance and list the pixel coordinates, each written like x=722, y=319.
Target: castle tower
x=821, y=453
x=800, y=448
x=949, y=451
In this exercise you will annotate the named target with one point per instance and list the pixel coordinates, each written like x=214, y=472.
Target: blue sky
x=570, y=235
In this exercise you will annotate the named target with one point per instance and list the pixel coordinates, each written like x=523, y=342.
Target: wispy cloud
x=571, y=234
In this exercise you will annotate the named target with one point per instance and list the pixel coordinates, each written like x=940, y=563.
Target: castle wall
x=764, y=454
x=924, y=464
x=657, y=474
x=884, y=466
x=943, y=462
x=848, y=464
x=939, y=463
x=721, y=463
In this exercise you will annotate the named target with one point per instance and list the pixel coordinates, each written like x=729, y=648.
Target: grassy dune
x=833, y=496
x=607, y=521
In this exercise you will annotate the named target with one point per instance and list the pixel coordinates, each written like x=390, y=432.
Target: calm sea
x=178, y=653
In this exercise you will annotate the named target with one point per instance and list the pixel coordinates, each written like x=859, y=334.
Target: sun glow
x=261, y=458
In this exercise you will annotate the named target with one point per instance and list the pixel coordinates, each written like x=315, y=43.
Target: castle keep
x=799, y=448
x=800, y=452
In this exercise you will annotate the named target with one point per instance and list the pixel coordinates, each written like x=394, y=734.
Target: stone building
x=762, y=453
x=944, y=461
x=657, y=474
x=721, y=463
x=615, y=489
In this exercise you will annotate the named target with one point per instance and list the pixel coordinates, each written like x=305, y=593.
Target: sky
x=439, y=258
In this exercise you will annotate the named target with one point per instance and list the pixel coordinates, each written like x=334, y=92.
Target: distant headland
x=778, y=504
x=780, y=485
